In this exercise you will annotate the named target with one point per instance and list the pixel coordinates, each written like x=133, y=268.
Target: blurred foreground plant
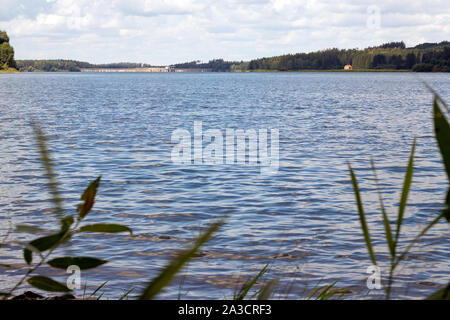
x=43, y=247
x=442, y=133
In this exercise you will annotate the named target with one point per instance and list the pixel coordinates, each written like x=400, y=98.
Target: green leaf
x=42, y=244
x=169, y=272
x=47, y=284
x=387, y=224
x=106, y=228
x=83, y=263
x=362, y=217
x=28, y=229
x=247, y=286
x=405, y=192
x=88, y=197
x=326, y=292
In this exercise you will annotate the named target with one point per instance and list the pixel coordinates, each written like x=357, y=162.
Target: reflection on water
x=302, y=220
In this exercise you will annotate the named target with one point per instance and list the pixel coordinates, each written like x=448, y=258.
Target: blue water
x=302, y=220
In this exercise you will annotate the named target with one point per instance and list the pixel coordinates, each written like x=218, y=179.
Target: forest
x=427, y=57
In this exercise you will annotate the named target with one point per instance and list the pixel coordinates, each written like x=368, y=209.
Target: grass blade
x=167, y=275
x=326, y=293
x=99, y=288
x=126, y=294
x=362, y=217
x=245, y=289
x=405, y=192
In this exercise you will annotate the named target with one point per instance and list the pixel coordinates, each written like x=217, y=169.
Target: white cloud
x=164, y=32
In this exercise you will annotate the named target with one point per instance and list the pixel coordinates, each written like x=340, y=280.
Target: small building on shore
x=348, y=67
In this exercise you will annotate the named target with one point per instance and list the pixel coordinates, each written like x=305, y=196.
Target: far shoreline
x=248, y=71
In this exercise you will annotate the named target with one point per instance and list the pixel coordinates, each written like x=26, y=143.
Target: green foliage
x=6, y=52
x=442, y=130
x=3, y=37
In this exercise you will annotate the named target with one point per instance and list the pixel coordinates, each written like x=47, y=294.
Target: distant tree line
x=390, y=45
x=425, y=57
x=390, y=56
x=216, y=65
x=70, y=65
x=428, y=45
x=6, y=52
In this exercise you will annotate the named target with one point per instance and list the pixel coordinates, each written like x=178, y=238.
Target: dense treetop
x=6, y=52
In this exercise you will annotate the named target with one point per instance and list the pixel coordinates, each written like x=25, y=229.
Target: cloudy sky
x=163, y=32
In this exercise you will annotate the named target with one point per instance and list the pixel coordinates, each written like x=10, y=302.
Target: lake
x=302, y=219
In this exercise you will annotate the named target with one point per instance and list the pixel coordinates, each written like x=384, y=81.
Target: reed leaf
x=362, y=217
x=442, y=133
x=386, y=223
x=405, y=192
